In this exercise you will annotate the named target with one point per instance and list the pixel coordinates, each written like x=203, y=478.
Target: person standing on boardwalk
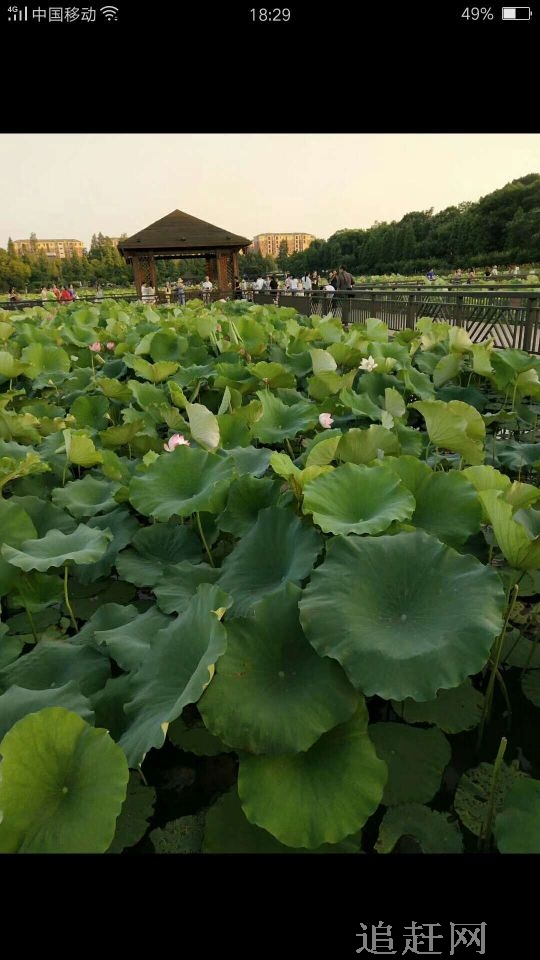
x=206, y=287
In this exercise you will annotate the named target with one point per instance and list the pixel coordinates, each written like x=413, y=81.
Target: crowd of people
x=470, y=275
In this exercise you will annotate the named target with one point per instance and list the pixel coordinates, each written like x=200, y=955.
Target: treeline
x=102, y=264
x=502, y=227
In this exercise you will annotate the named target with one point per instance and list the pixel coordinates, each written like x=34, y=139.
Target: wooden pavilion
x=181, y=236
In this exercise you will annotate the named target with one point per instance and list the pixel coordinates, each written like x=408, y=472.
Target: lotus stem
x=289, y=448
x=486, y=713
x=31, y=622
x=66, y=598
x=485, y=833
x=203, y=538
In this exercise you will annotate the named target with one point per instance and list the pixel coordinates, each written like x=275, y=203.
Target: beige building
x=59, y=249
x=268, y=244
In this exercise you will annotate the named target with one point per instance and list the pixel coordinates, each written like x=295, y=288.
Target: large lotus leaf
x=12, y=468
x=405, y=615
x=271, y=693
x=179, y=584
x=322, y=361
x=247, y=496
x=358, y=499
x=415, y=759
x=183, y=482
x=227, y=830
x=278, y=548
x=80, y=449
x=53, y=663
x=530, y=685
x=253, y=460
x=517, y=826
x=410, y=470
x=17, y=702
x=10, y=367
x=196, y=739
x=434, y=831
x=44, y=358
x=474, y=794
x=446, y=369
x=130, y=643
x=121, y=435
x=485, y=477
x=452, y=710
x=84, y=545
x=108, y=616
x=280, y=420
x=86, y=497
x=44, y=515
x=321, y=796
x=360, y=404
x=204, y=426
x=10, y=646
x=35, y=591
x=157, y=547
x=447, y=506
x=419, y=384
x=121, y=524
x=274, y=374
x=166, y=345
x=132, y=823
x=63, y=784
x=146, y=395
x=181, y=666
x=363, y=446
x=329, y=383
x=516, y=456
x=520, y=549
x=454, y=426
x=323, y=451
x=109, y=703
x=15, y=527
x=90, y=411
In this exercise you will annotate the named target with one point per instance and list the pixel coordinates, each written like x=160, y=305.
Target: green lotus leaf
x=517, y=456
x=520, y=549
x=10, y=646
x=17, y=702
x=271, y=693
x=485, y=477
x=433, y=830
x=137, y=809
x=251, y=460
x=278, y=548
x=280, y=420
x=360, y=404
x=35, y=591
x=481, y=357
x=322, y=453
x=446, y=369
x=448, y=507
x=327, y=384
x=109, y=703
x=454, y=426
x=452, y=710
x=419, y=384
x=53, y=663
x=167, y=345
x=517, y=826
x=130, y=643
x=473, y=794
x=322, y=361
x=196, y=739
x=415, y=759
x=44, y=358
x=521, y=495
x=530, y=685
x=84, y=545
x=63, y=784
x=394, y=403
x=122, y=525
x=16, y=527
x=358, y=499
x=204, y=426
x=274, y=374
x=156, y=548
x=321, y=796
x=10, y=367
x=121, y=435
x=386, y=618
x=86, y=497
x=80, y=449
x=247, y=496
x=179, y=584
x=114, y=389
x=363, y=446
x=146, y=394
x=90, y=411
x=182, y=665
x=227, y=830
x=13, y=469
x=184, y=835
x=410, y=470
x=44, y=515
x=183, y=482
x=108, y=616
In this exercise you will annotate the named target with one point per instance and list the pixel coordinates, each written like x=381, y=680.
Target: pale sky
x=69, y=186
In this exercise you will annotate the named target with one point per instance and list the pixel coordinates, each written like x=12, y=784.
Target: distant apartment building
x=268, y=244
x=58, y=249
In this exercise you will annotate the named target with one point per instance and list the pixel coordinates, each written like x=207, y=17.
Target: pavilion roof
x=181, y=231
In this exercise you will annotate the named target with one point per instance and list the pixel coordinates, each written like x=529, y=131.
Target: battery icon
x=516, y=13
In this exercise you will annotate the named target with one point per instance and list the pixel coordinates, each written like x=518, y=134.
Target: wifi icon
x=109, y=12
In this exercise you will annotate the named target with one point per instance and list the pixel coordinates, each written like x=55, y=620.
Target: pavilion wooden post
x=144, y=272
x=224, y=267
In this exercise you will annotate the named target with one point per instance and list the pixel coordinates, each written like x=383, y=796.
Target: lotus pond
x=267, y=584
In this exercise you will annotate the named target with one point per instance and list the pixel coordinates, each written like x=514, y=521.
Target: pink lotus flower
x=177, y=440
x=95, y=347
x=325, y=420
x=110, y=345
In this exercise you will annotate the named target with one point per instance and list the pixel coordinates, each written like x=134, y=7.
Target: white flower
x=325, y=420
x=368, y=364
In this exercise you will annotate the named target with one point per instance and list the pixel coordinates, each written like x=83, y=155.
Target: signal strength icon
x=17, y=13
x=109, y=12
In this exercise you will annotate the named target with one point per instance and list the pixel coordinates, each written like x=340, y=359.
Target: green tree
x=282, y=258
